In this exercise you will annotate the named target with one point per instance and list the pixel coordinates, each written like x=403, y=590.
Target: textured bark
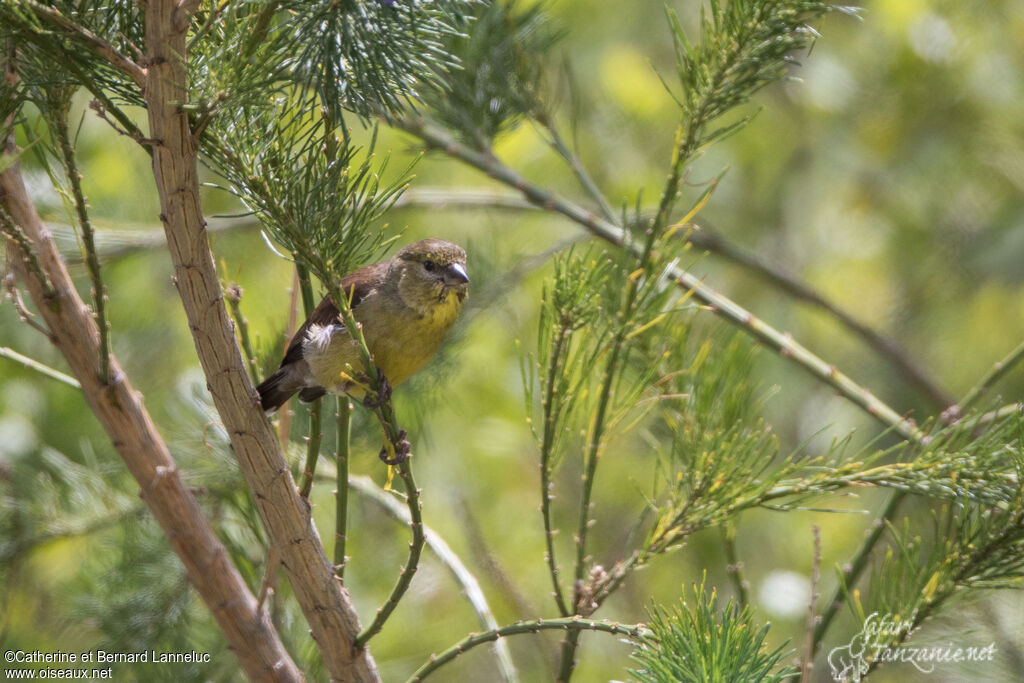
x=326, y=605
x=120, y=410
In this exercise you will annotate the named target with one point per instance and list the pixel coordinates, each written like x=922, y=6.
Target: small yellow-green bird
x=406, y=305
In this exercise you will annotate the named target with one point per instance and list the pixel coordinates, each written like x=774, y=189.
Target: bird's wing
x=357, y=286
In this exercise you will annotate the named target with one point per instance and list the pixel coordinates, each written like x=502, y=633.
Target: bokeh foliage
x=889, y=177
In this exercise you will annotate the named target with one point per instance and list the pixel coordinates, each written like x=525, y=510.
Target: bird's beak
x=455, y=274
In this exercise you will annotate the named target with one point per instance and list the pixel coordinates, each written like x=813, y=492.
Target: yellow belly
x=400, y=344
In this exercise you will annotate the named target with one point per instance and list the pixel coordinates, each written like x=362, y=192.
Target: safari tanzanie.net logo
x=885, y=639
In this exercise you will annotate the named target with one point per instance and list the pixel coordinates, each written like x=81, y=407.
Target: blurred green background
x=889, y=177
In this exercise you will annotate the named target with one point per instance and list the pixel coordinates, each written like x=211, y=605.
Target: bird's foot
x=393, y=454
x=383, y=393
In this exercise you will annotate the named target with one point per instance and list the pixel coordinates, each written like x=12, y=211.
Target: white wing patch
x=318, y=337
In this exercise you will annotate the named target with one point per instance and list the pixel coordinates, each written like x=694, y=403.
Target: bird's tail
x=277, y=389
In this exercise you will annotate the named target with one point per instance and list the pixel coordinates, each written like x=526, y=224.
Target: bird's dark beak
x=455, y=274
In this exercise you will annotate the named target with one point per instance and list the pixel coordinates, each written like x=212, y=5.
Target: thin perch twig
x=571, y=624
x=808, y=661
x=465, y=578
x=995, y=373
x=92, y=262
x=33, y=364
x=721, y=305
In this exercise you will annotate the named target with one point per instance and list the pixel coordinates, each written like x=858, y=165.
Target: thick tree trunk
x=121, y=412
x=326, y=605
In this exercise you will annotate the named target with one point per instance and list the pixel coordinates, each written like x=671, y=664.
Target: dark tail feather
x=310, y=394
x=276, y=390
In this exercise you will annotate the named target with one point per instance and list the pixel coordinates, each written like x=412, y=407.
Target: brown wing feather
x=356, y=286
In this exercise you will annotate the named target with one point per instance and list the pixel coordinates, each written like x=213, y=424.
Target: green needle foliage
x=706, y=644
x=62, y=31
x=968, y=547
x=500, y=74
x=367, y=57
x=742, y=47
x=321, y=206
x=628, y=374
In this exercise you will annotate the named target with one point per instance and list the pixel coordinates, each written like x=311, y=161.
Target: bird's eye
x=429, y=265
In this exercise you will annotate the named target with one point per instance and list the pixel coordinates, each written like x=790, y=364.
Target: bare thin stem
x=465, y=578
x=92, y=262
x=380, y=403
x=412, y=499
x=344, y=424
x=233, y=293
x=808, y=662
x=576, y=164
x=42, y=368
x=721, y=305
x=546, y=484
x=89, y=39
x=995, y=373
x=856, y=568
x=734, y=568
x=571, y=624
x=11, y=287
x=315, y=437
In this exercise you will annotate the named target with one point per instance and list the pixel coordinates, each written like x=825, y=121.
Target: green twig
x=233, y=294
x=546, y=484
x=13, y=232
x=734, y=568
x=885, y=347
x=576, y=164
x=59, y=120
x=592, y=455
x=721, y=305
x=856, y=568
x=465, y=578
x=341, y=492
x=412, y=499
x=995, y=373
x=316, y=407
x=33, y=364
x=571, y=624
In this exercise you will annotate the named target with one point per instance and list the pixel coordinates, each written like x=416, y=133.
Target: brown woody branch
x=121, y=412
x=325, y=603
x=62, y=22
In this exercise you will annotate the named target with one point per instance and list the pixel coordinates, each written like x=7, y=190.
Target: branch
x=718, y=303
x=880, y=344
x=120, y=410
x=733, y=565
x=33, y=364
x=465, y=578
x=412, y=497
x=988, y=381
x=344, y=427
x=331, y=616
x=856, y=568
x=92, y=262
x=571, y=624
x=90, y=40
x=11, y=287
x=808, y=661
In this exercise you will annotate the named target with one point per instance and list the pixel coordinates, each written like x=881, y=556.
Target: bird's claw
x=403, y=447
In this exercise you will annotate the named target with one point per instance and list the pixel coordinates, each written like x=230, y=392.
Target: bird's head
x=430, y=270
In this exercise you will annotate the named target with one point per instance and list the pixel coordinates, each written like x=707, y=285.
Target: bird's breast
x=402, y=340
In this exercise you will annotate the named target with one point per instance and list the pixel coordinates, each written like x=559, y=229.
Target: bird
x=405, y=306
